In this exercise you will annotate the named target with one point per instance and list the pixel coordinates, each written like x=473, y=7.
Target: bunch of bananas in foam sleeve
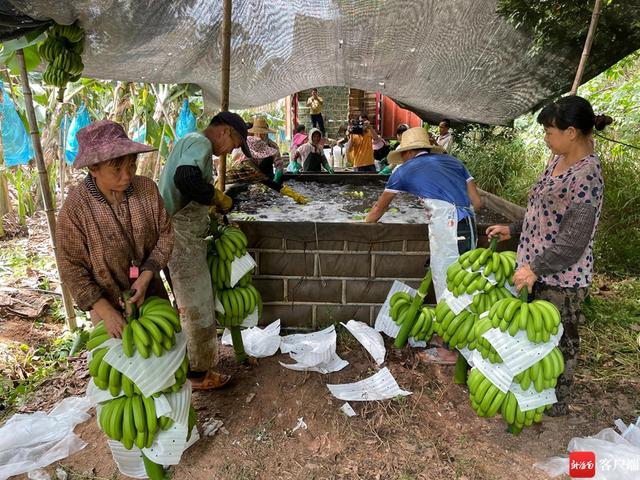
x=227, y=244
x=129, y=416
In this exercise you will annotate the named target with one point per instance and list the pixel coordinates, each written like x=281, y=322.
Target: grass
x=25, y=367
x=71, y=474
x=610, y=348
x=507, y=162
x=16, y=262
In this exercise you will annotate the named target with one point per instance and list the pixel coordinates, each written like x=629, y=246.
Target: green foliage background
x=507, y=161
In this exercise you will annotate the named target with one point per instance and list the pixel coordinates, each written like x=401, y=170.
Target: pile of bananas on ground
x=63, y=49
x=400, y=303
x=472, y=271
x=487, y=400
x=130, y=417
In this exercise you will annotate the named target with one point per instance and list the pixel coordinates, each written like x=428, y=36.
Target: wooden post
x=224, y=87
x=44, y=183
x=587, y=46
x=62, y=166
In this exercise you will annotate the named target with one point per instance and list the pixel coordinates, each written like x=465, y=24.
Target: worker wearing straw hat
x=261, y=130
x=113, y=232
x=449, y=195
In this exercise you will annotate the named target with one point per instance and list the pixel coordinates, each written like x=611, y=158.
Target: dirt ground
x=431, y=434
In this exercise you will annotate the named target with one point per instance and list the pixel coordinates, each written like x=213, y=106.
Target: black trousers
x=318, y=122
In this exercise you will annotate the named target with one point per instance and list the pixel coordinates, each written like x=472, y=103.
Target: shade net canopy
x=457, y=59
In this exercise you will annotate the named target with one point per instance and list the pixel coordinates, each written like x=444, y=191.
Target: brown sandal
x=211, y=381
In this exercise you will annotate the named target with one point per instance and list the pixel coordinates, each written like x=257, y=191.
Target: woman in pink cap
x=113, y=232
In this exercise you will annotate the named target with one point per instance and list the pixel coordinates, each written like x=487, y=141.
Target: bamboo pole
x=224, y=87
x=587, y=46
x=62, y=166
x=44, y=184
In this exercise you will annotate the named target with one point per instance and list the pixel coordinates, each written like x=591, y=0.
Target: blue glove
x=385, y=171
x=278, y=176
x=296, y=167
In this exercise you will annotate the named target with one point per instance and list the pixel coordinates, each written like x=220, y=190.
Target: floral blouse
x=549, y=199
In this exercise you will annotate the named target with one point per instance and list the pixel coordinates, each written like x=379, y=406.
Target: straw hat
x=412, y=139
x=105, y=140
x=260, y=125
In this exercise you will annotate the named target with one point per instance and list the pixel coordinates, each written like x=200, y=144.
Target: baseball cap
x=236, y=122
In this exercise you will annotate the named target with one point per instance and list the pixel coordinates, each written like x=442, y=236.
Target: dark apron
x=313, y=162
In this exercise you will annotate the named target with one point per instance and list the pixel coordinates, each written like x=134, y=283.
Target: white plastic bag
x=314, y=352
x=35, y=440
x=240, y=267
x=258, y=342
x=617, y=455
x=381, y=386
x=517, y=352
x=370, y=339
x=443, y=241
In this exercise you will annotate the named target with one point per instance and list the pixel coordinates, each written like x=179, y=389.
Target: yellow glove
x=221, y=201
x=295, y=195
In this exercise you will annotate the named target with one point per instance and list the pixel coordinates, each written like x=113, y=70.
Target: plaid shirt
x=93, y=255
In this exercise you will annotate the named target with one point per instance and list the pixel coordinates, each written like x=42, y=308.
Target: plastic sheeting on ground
x=32, y=441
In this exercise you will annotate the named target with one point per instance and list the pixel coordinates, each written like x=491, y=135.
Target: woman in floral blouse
x=555, y=253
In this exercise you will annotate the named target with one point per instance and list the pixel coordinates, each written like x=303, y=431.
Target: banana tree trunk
x=44, y=184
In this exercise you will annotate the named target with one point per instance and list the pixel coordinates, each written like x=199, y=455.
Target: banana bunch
x=153, y=331
x=482, y=302
x=458, y=330
x=97, y=336
x=180, y=376
x=539, y=318
x=516, y=418
x=482, y=344
x=486, y=398
x=63, y=48
x=543, y=374
x=460, y=280
x=470, y=272
x=424, y=325
x=221, y=273
x=165, y=423
x=238, y=303
x=130, y=420
x=193, y=419
x=229, y=242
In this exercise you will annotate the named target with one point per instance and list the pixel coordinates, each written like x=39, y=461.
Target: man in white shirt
x=444, y=139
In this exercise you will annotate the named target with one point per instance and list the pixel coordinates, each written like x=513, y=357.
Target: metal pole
x=67, y=301
x=587, y=46
x=224, y=87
